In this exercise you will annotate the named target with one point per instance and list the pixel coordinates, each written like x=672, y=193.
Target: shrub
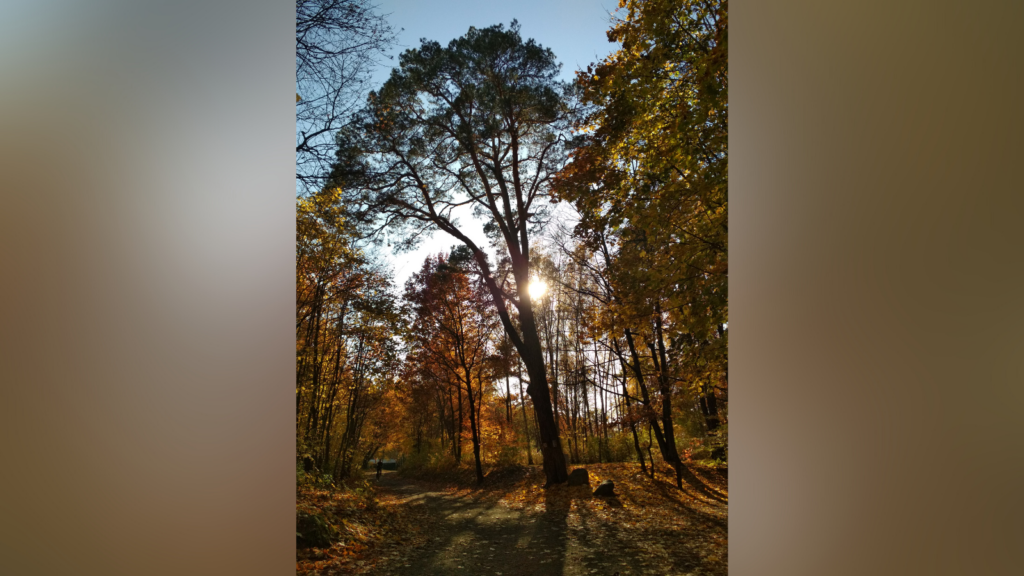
x=506, y=456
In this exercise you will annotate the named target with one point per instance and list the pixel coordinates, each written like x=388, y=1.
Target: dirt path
x=469, y=535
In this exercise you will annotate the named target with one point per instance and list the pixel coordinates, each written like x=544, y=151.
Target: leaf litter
x=649, y=527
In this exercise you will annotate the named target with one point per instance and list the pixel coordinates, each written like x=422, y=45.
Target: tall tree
x=475, y=123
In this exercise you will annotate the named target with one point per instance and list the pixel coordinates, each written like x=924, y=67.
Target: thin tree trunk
x=709, y=408
x=666, y=398
x=526, y=423
x=632, y=424
x=473, y=428
x=508, y=400
x=458, y=431
x=667, y=450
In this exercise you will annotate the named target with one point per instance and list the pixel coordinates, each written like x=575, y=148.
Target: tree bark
x=554, y=459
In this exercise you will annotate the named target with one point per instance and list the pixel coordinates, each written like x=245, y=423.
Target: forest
x=590, y=331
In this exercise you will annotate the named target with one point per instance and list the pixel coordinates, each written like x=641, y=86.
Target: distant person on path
x=380, y=467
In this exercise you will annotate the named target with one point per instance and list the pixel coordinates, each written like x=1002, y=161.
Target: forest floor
x=511, y=526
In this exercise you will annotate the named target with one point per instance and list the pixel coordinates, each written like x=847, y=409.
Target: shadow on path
x=475, y=535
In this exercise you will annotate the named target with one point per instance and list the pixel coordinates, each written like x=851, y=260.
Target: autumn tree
x=452, y=330
x=477, y=123
x=649, y=179
x=346, y=319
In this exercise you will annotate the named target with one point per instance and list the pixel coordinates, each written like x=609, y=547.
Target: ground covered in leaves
x=369, y=525
x=511, y=526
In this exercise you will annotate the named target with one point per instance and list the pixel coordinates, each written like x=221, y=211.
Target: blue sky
x=575, y=30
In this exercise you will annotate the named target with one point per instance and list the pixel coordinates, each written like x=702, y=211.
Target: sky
x=575, y=30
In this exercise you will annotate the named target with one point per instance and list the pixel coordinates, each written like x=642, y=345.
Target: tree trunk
x=528, y=345
x=474, y=430
x=526, y=423
x=709, y=407
x=649, y=455
x=458, y=430
x=667, y=448
x=508, y=401
x=632, y=424
x=555, y=470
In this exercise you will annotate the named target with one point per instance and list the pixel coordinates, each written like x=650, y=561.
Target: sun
x=537, y=288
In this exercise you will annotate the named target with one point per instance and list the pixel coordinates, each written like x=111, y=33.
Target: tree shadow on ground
x=620, y=549
x=474, y=534
x=697, y=484
x=568, y=532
